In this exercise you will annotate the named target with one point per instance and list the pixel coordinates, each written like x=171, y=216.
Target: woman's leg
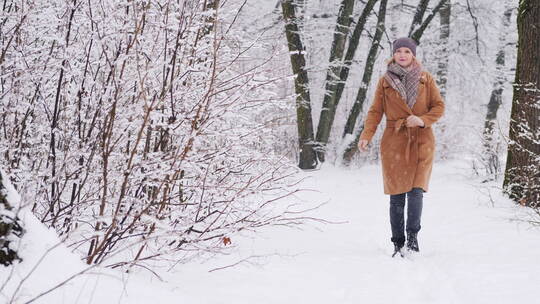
x=414, y=214
x=397, y=205
x=414, y=209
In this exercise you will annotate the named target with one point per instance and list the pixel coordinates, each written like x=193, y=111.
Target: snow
x=473, y=249
x=47, y=262
x=11, y=194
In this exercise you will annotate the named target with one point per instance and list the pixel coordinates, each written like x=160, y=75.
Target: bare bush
x=132, y=123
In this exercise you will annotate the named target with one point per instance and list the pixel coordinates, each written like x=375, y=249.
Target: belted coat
x=406, y=153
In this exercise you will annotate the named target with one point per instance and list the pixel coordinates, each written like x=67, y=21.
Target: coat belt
x=412, y=135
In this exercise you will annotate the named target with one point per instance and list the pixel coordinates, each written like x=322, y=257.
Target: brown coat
x=406, y=153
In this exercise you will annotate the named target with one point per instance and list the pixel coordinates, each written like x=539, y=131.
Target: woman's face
x=403, y=56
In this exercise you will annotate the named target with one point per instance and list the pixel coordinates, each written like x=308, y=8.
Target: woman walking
x=411, y=102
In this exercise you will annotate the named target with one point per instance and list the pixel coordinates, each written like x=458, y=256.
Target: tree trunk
x=442, y=72
x=301, y=6
x=495, y=99
x=307, y=157
x=490, y=154
x=417, y=32
x=350, y=147
x=418, y=16
x=10, y=227
x=333, y=95
x=328, y=110
x=522, y=174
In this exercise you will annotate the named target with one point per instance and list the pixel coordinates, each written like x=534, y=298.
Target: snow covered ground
x=472, y=251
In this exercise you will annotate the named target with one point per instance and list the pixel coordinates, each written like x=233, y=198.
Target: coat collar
x=423, y=78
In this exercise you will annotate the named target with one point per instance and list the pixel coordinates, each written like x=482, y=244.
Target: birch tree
x=444, y=36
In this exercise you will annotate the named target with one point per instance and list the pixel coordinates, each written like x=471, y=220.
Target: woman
x=411, y=102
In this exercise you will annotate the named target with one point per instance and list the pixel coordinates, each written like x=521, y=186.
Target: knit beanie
x=404, y=42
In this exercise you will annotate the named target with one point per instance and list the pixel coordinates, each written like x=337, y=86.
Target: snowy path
x=471, y=252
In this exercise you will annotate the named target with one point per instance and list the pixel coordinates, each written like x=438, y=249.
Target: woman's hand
x=362, y=145
x=414, y=121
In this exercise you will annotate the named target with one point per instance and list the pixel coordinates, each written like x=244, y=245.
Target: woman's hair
x=414, y=59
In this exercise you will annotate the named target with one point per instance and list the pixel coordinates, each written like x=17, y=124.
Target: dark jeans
x=414, y=212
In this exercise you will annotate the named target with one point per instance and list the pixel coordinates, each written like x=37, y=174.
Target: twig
x=475, y=24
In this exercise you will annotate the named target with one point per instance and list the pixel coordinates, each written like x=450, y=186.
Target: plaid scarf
x=405, y=81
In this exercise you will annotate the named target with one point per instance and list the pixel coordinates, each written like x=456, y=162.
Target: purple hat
x=404, y=42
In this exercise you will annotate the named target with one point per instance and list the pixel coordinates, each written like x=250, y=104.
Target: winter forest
x=207, y=151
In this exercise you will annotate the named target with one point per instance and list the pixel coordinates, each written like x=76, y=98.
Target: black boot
x=398, y=244
x=412, y=242
x=397, y=249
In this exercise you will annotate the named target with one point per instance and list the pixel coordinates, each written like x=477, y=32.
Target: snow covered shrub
x=10, y=226
x=136, y=128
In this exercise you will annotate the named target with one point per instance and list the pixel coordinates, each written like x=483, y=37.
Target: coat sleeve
x=436, y=104
x=375, y=113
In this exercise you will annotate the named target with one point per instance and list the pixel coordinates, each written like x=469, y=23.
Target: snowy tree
x=338, y=70
x=442, y=71
x=491, y=143
x=308, y=159
x=522, y=174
